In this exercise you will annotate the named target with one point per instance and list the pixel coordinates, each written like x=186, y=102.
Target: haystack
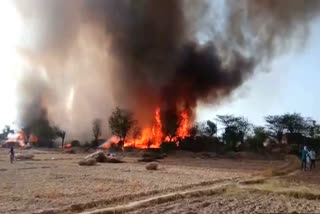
x=24, y=156
x=152, y=166
x=101, y=157
x=88, y=162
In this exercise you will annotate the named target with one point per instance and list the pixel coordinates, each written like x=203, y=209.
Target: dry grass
x=292, y=164
x=289, y=189
x=51, y=193
x=54, y=182
x=159, y=200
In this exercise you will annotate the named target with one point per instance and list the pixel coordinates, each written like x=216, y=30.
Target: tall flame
x=157, y=130
x=183, y=129
x=154, y=137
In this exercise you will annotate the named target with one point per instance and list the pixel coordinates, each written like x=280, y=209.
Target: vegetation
x=60, y=134
x=211, y=128
x=5, y=132
x=121, y=122
x=43, y=130
x=235, y=130
x=255, y=142
x=136, y=132
x=170, y=125
x=96, y=129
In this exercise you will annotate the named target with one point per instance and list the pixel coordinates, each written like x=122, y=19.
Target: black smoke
x=146, y=53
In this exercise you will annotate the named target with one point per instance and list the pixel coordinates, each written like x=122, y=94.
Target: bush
x=86, y=144
x=201, y=143
x=168, y=147
x=255, y=144
x=75, y=143
x=116, y=147
x=44, y=143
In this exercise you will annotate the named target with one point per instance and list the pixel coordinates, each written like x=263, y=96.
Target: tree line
x=230, y=131
x=236, y=131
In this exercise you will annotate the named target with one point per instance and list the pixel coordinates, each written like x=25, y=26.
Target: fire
x=108, y=143
x=21, y=139
x=154, y=137
x=157, y=131
x=68, y=145
x=33, y=139
x=183, y=130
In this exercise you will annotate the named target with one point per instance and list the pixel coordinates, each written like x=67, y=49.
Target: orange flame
x=183, y=130
x=157, y=130
x=154, y=137
x=68, y=145
x=33, y=139
x=108, y=143
x=20, y=137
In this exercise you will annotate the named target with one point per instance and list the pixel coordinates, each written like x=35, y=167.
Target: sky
x=9, y=63
x=292, y=84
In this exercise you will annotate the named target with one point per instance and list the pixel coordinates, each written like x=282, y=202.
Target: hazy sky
x=291, y=85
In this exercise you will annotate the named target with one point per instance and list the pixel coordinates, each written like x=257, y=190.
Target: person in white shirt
x=308, y=159
x=312, y=155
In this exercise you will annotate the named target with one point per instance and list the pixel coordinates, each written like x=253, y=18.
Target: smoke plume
x=141, y=54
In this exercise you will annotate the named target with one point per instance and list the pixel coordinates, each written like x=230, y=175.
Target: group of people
x=308, y=159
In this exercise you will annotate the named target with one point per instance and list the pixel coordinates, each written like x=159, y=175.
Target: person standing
x=308, y=159
x=312, y=155
x=304, y=154
x=11, y=154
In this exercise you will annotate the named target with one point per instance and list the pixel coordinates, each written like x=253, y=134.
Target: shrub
x=75, y=143
x=168, y=147
x=201, y=143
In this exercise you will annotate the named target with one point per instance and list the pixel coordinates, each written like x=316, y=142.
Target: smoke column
x=88, y=56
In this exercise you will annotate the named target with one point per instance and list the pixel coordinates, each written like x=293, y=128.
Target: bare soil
x=54, y=183
x=239, y=203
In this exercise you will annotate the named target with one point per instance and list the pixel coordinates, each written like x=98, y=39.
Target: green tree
x=211, y=128
x=287, y=123
x=5, y=132
x=312, y=129
x=275, y=126
x=121, y=122
x=255, y=142
x=236, y=129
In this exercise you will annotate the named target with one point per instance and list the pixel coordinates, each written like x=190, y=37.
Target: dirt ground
x=239, y=203
x=54, y=183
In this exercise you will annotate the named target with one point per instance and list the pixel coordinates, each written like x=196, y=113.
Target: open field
x=54, y=183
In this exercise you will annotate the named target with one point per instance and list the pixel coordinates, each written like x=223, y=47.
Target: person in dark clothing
x=11, y=154
x=304, y=154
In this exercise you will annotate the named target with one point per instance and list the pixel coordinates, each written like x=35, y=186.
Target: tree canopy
x=96, y=129
x=5, y=132
x=235, y=129
x=121, y=122
x=288, y=123
x=211, y=128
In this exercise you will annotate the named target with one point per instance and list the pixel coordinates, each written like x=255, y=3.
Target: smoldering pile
x=141, y=54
